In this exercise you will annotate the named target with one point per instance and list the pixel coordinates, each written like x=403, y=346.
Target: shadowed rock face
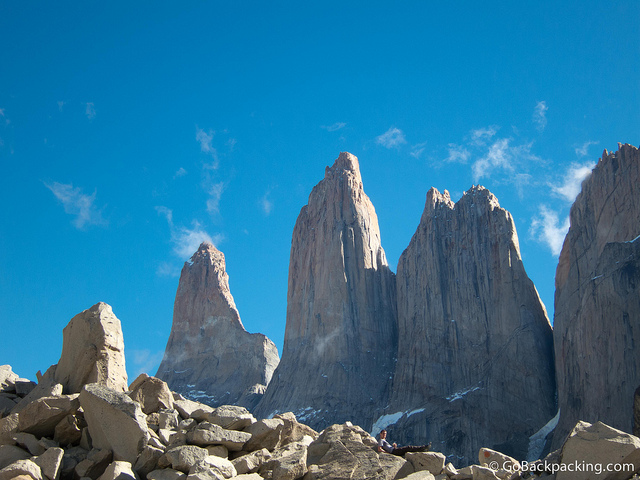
x=340, y=338
x=475, y=353
x=597, y=301
x=210, y=357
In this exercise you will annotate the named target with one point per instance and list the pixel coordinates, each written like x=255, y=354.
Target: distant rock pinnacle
x=210, y=357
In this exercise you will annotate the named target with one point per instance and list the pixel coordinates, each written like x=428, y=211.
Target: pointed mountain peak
x=345, y=163
x=207, y=254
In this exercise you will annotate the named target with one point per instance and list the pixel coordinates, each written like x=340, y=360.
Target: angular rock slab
x=92, y=351
x=115, y=421
x=41, y=417
x=151, y=393
x=596, y=444
x=119, y=470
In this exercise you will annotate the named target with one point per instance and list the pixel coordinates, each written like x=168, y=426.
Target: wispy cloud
x=547, y=228
x=572, y=181
x=505, y=158
x=60, y=105
x=391, y=138
x=206, y=145
x=166, y=269
x=186, y=240
x=457, y=154
x=77, y=203
x=90, y=110
x=266, y=203
x=481, y=135
x=497, y=157
x=2, y=114
x=215, y=194
x=540, y=115
x=332, y=128
x=181, y=172
x=583, y=149
x=418, y=149
x=145, y=361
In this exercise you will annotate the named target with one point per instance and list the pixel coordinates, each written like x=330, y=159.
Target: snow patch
x=631, y=241
x=458, y=395
x=537, y=440
x=385, y=420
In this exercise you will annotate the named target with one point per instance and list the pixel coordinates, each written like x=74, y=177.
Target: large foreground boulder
x=115, y=421
x=92, y=351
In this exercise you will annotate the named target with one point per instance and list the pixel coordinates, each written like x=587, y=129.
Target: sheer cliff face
x=597, y=302
x=475, y=354
x=340, y=338
x=210, y=357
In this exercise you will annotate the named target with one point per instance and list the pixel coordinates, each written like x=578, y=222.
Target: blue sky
x=129, y=133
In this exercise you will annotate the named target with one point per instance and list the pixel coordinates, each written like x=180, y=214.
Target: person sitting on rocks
x=384, y=446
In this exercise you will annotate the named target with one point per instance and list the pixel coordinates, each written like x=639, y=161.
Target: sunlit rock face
x=475, y=354
x=210, y=357
x=341, y=331
x=597, y=302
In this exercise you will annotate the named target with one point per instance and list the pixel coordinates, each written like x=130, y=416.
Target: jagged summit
x=473, y=334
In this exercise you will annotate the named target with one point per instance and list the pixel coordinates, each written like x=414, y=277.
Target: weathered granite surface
x=210, y=357
x=475, y=354
x=597, y=301
x=341, y=331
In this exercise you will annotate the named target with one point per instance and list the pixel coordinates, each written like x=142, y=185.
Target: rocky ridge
x=474, y=337
x=597, y=300
x=209, y=355
x=104, y=434
x=341, y=329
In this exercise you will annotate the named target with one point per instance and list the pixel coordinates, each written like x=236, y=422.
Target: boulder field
x=98, y=431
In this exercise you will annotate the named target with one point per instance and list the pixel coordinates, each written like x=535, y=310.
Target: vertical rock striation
x=597, y=301
x=341, y=330
x=475, y=353
x=210, y=357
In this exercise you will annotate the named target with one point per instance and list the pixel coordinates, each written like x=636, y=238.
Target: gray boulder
x=92, y=351
x=115, y=421
x=43, y=415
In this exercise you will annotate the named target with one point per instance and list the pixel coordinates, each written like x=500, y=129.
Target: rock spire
x=597, y=301
x=475, y=353
x=340, y=337
x=210, y=356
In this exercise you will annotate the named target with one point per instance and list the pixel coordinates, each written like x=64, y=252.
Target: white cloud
x=457, y=154
x=215, y=194
x=391, y=138
x=583, y=149
x=504, y=157
x=572, y=182
x=266, y=204
x=60, y=104
x=206, y=145
x=145, y=361
x=180, y=173
x=90, y=111
x=186, y=240
x=77, y=203
x=418, y=149
x=334, y=127
x=481, y=135
x=547, y=228
x=498, y=156
x=540, y=115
